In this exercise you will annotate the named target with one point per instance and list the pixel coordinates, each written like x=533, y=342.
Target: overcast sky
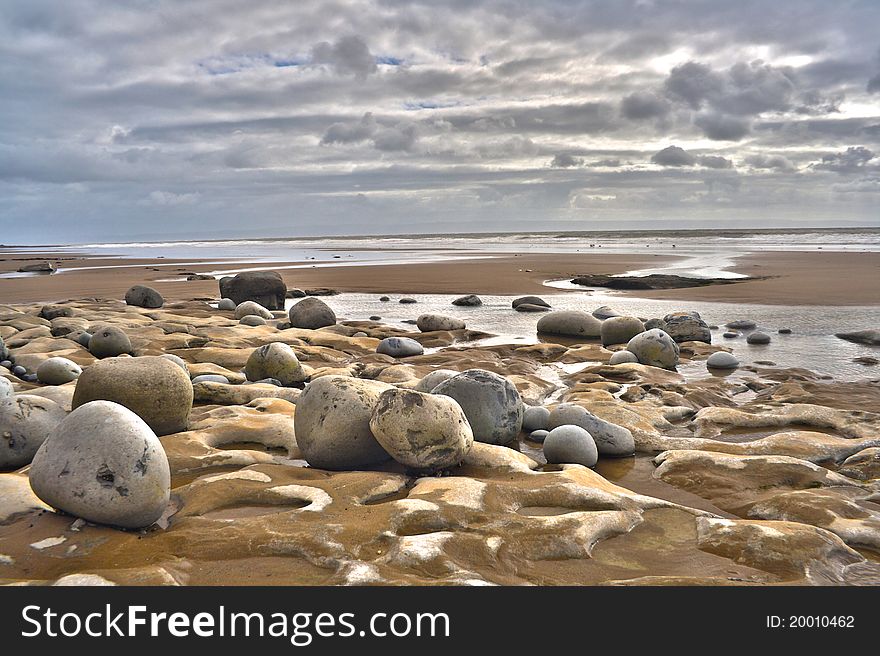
x=155, y=119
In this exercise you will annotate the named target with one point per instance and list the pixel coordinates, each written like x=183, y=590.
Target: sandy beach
x=789, y=278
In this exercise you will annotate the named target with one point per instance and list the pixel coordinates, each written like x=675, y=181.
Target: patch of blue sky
x=228, y=64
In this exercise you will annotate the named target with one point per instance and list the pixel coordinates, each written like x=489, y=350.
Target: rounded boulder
x=143, y=296
x=154, y=388
x=758, y=338
x=251, y=308
x=623, y=357
x=471, y=300
x=570, y=323
x=108, y=342
x=276, y=360
x=103, y=463
x=424, y=432
x=619, y=330
x=430, y=381
x=570, y=444
x=610, y=439
x=722, y=360
x=311, y=313
x=490, y=402
x=535, y=417
x=654, y=348
x=25, y=422
x=399, y=347
x=430, y=322
x=332, y=422
x=529, y=300
x=57, y=371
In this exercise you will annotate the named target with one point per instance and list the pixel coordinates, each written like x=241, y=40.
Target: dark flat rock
x=654, y=281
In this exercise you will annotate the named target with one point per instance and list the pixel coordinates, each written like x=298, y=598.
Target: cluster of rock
x=156, y=391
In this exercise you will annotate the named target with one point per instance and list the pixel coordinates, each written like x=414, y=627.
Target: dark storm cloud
x=638, y=106
x=564, y=161
x=673, y=156
x=341, y=116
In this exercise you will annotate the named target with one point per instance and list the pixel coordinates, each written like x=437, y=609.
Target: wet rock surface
x=759, y=476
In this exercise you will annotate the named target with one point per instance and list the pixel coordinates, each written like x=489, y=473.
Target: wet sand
x=793, y=278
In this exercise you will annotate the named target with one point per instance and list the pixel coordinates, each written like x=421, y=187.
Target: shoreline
x=788, y=278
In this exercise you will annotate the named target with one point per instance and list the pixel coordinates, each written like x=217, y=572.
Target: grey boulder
x=570, y=323
x=264, y=287
x=619, y=330
x=176, y=359
x=471, y=300
x=252, y=308
x=530, y=300
x=686, y=327
x=108, y=342
x=605, y=312
x=57, y=371
x=332, y=422
x=275, y=360
x=7, y=391
x=535, y=417
x=143, y=296
x=103, y=463
x=610, y=439
x=25, y=422
x=538, y=435
x=226, y=304
x=311, y=313
x=623, y=357
x=570, y=444
x=424, y=432
x=654, y=348
x=722, y=360
x=252, y=320
x=870, y=337
x=490, y=402
x=210, y=378
x=758, y=338
x=431, y=380
x=430, y=322
x=399, y=347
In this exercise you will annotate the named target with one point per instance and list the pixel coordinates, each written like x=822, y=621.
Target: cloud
x=715, y=162
x=693, y=83
x=350, y=132
x=854, y=159
x=564, y=161
x=397, y=137
x=639, y=106
x=771, y=162
x=489, y=114
x=347, y=56
x=673, y=156
x=168, y=198
x=859, y=186
x=721, y=127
